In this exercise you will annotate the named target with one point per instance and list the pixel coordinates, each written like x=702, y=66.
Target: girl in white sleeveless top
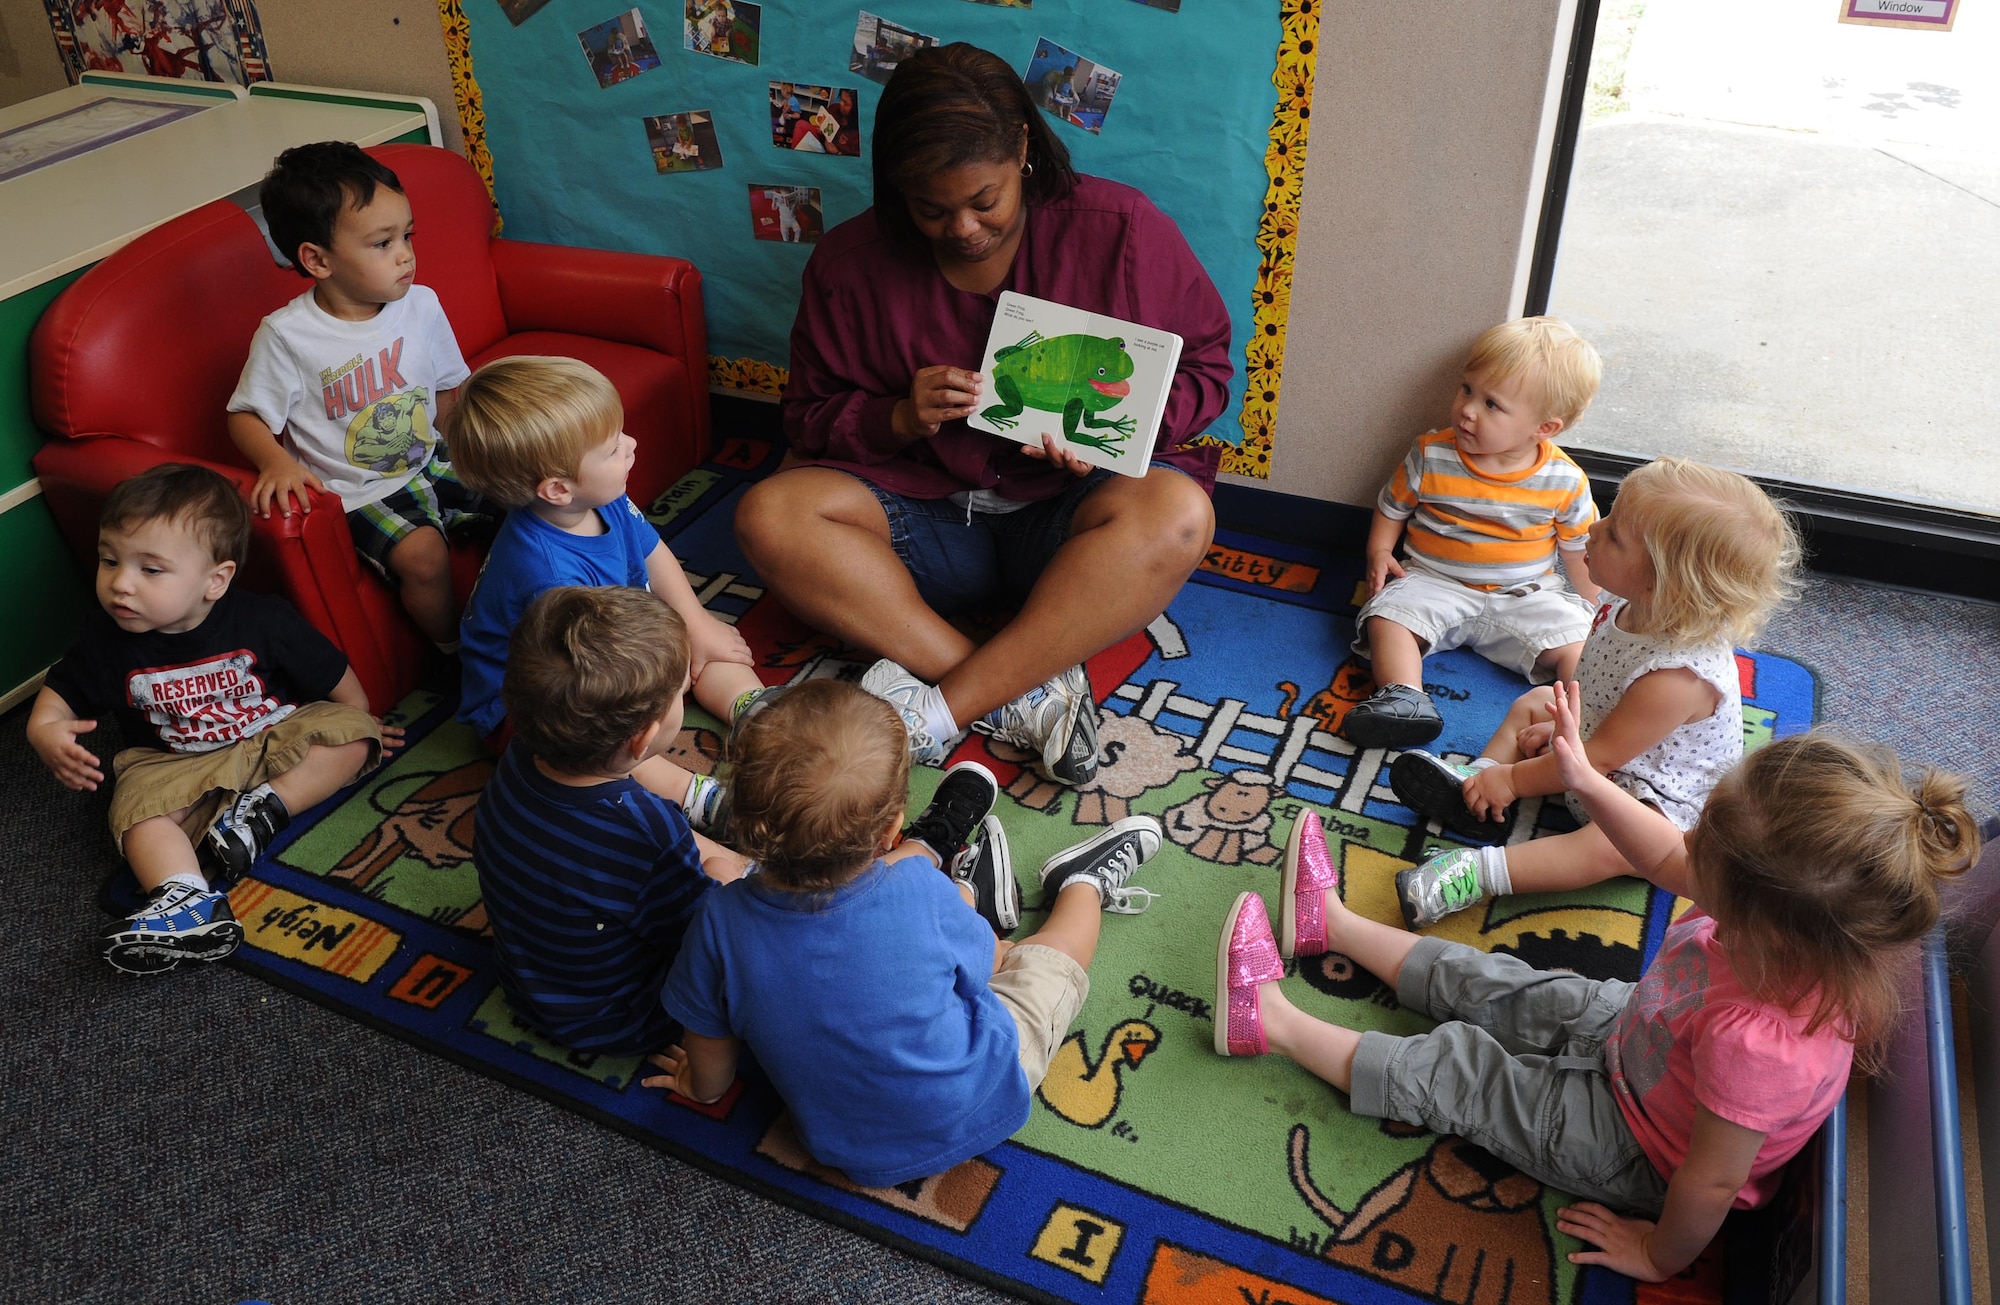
x=1701, y=557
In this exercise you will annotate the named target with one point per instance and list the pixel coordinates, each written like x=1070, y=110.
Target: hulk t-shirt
x=354, y=402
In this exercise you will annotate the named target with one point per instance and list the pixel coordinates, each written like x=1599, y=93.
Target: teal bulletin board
x=1189, y=123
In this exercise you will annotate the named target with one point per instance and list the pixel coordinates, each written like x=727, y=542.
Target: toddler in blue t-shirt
x=545, y=438
x=901, y=1034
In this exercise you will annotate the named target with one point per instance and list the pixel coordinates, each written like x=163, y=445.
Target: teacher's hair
x=954, y=105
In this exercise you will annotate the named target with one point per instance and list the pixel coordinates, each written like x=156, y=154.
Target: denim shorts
x=961, y=558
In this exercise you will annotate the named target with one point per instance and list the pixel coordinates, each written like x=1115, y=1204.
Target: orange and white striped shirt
x=1487, y=531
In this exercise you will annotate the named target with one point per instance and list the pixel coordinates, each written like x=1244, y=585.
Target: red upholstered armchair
x=133, y=364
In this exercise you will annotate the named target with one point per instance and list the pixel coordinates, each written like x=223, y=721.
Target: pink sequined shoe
x=1309, y=875
x=1245, y=956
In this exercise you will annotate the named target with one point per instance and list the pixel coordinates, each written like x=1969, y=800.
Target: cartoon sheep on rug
x=1229, y=825
x=1134, y=756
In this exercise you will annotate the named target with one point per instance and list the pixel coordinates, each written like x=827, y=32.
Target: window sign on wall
x=1923, y=15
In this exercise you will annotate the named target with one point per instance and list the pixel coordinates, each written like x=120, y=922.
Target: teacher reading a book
x=901, y=514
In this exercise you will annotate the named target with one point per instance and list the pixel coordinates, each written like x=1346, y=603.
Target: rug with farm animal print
x=1151, y=1170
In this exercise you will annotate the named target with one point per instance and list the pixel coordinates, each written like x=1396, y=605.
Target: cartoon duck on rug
x=1087, y=1094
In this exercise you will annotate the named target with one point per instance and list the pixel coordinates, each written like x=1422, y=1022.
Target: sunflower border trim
x=747, y=375
x=1277, y=238
x=465, y=90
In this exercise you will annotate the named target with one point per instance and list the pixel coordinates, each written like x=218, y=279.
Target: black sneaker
x=1396, y=717
x=988, y=867
x=240, y=835
x=964, y=798
x=1107, y=861
x=1435, y=789
x=177, y=923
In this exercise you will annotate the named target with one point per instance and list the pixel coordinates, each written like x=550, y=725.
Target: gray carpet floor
x=204, y=1138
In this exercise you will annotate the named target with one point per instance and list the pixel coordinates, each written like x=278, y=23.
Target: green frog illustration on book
x=1078, y=376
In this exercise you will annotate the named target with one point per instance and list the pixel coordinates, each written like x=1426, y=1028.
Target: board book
x=1096, y=383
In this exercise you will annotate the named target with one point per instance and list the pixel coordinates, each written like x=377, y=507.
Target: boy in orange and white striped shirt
x=1483, y=508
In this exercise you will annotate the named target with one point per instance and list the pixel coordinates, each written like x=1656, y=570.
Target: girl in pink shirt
x=1814, y=869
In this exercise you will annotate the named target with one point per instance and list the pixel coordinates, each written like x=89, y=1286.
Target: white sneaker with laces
x=1056, y=724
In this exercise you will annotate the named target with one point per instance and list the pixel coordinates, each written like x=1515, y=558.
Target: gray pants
x=1518, y=1068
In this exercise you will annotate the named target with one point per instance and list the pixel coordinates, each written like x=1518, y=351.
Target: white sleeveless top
x=1675, y=774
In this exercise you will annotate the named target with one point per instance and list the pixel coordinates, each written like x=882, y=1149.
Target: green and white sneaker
x=1056, y=724
x=1447, y=882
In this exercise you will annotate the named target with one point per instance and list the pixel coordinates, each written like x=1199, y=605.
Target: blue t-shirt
x=529, y=555
x=589, y=890
x=869, y=1009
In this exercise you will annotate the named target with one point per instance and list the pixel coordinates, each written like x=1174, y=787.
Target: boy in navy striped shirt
x=589, y=878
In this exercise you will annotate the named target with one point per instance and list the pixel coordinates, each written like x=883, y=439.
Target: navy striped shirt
x=589, y=891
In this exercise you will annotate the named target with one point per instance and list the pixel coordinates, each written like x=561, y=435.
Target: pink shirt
x=1691, y=1035
x=871, y=313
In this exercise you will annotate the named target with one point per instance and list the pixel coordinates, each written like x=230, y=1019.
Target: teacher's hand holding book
x=937, y=395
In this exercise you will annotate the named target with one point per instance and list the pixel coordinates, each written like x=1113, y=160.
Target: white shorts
x=1508, y=627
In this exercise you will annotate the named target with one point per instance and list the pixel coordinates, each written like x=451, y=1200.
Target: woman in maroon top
x=903, y=514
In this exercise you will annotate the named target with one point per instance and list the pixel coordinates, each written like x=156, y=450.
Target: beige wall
x=1423, y=155
x=363, y=45
x=29, y=65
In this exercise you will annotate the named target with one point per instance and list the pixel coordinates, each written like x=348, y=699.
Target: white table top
x=71, y=214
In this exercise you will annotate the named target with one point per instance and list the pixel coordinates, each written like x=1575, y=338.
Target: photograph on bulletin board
x=727, y=29
x=879, y=45
x=1007, y=4
x=1171, y=6
x=815, y=119
x=619, y=49
x=791, y=214
x=1073, y=89
x=684, y=142
x=520, y=11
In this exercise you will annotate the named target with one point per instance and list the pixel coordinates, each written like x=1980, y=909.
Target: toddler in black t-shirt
x=235, y=712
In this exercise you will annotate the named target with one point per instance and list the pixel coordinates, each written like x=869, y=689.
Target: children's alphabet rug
x=1152, y=1170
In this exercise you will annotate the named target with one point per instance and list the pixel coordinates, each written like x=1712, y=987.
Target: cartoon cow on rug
x=434, y=825
x=695, y=750
x=1230, y=824
x=1456, y=1225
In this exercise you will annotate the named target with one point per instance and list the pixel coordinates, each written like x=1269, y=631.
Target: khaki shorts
x=154, y=783
x=1509, y=627
x=1042, y=989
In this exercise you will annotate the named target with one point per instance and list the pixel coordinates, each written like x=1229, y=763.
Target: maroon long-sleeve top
x=873, y=313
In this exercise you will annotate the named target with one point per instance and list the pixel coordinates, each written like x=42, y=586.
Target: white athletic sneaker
x=1056, y=723
x=903, y=691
